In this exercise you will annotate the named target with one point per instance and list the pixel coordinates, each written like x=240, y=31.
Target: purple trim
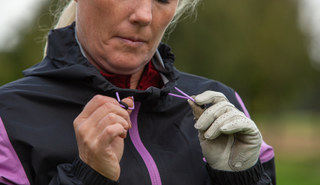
x=11, y=170
x=242, y=105
x=146, y=156
x=266, y=151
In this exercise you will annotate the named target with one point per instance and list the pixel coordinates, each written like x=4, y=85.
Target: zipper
x=146, y=156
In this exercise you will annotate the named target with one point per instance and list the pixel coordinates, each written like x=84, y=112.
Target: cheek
x=162, y=21
x=166, y=14
x=95, y=10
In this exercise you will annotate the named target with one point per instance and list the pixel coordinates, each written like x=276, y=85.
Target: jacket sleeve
x=266, y=153
x=269, y=168
x=11, y=169
x=79, y=173
x=252, y=176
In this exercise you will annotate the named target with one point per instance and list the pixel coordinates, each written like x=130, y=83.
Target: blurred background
x=267, y=50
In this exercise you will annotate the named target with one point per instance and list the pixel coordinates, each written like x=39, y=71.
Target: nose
x=142, y=13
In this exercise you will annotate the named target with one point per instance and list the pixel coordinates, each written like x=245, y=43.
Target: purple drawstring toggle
x=122, y=104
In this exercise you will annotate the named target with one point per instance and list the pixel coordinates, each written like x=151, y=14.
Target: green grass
x=298, y=171
x=295, y=137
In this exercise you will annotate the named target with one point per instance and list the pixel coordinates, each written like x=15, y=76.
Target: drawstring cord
x=179, y=96
x=185, y=96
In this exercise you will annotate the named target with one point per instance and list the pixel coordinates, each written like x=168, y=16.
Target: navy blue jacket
x=37, y=137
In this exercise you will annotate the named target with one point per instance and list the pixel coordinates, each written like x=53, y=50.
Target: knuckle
x=226, y=103
x=112, y=117
x=80, y=131
x=98, y=98
x=109, y=106
x=76, y=122
x=109, y=131
x=126, y=116
x=101, y=98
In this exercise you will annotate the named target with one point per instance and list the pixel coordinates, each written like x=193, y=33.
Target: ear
x=76, y=1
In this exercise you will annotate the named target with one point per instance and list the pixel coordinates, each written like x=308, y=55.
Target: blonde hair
x=67, y=14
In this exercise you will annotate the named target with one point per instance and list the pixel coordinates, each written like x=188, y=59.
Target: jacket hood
x=64, y=61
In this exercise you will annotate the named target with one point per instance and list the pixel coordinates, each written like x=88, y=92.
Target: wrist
x=249, y=176
x=88, y=175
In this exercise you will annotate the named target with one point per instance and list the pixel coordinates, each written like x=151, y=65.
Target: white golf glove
x=229, y=140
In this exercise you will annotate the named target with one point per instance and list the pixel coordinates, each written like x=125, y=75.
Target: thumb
x=129, y=102
x=197, y=110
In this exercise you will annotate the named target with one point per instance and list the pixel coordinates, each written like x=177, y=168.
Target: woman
x=109, y=75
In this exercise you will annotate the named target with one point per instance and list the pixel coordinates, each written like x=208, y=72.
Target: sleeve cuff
x=250, y=176
x=87, y=175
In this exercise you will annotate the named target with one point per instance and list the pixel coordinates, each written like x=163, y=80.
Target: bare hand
x=100, y=129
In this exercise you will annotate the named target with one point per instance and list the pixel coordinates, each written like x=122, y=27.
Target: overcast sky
x=15, y=13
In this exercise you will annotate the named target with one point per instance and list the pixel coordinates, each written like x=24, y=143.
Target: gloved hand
x=229, y=140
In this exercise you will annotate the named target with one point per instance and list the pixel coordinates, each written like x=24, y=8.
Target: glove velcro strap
x=250, y=176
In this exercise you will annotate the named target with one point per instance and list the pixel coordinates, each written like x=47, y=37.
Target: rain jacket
x=37, y=139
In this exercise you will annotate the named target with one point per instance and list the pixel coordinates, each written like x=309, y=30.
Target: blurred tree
x=256, y=47
x=30, y=49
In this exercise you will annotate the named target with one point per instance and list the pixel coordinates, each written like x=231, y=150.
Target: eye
x=164, y=1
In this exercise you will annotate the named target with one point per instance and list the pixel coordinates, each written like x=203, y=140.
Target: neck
x=135, y=78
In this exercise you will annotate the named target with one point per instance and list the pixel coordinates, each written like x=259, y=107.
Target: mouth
x=134, y=41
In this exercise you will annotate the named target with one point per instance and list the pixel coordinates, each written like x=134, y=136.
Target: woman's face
x=121, y=36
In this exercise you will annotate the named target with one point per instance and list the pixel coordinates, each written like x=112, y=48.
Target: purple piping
x=11, y=170
x=266, y=151
x=146, y=156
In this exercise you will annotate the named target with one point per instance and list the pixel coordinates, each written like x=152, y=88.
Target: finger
x=243, y=125
x=110, y=133
x=214, y=130
x=210, y=97
x=111, y=119
x=129, y=102
x=106, y=109
x=96, y=102
x=211, y=114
